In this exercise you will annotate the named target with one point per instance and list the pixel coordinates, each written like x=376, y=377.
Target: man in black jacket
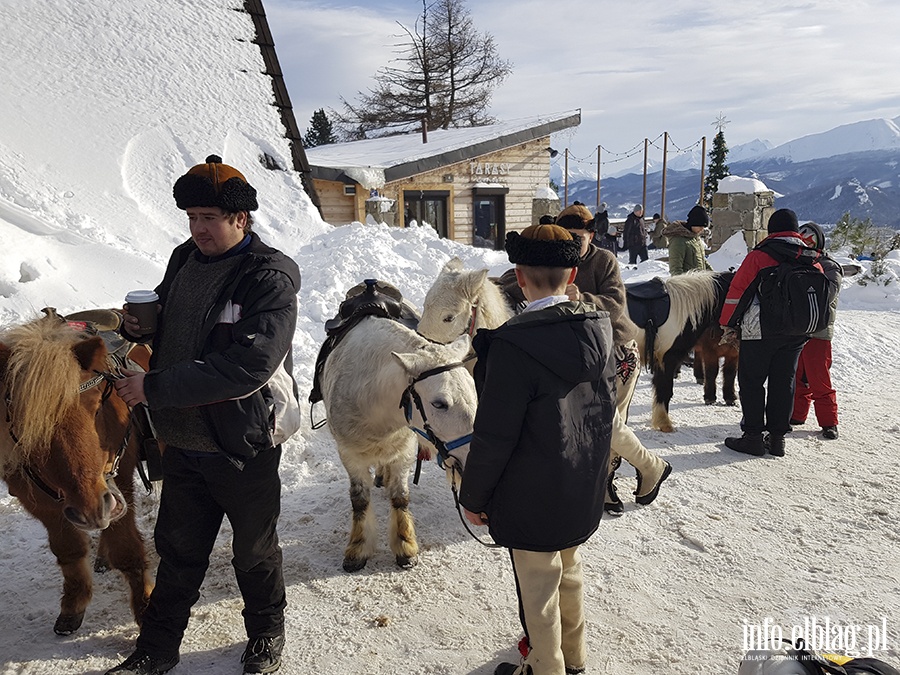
x=635, y=235
x=222, y=398
x=536, y=471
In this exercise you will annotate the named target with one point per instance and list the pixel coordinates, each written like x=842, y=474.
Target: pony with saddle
x=386, y=389
x=673, y=314
x=68, y=451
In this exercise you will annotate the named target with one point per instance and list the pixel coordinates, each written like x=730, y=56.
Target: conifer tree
x=718, y=169
x=320, y=131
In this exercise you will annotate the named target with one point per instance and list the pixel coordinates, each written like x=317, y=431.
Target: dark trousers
x=775, y=360
x=198, y=490
x=635, y=252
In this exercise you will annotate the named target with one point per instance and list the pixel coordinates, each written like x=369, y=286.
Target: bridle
x=470, y=329
x=410, y=398
x=112, y=465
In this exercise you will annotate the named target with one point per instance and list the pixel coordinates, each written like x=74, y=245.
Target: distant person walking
x=813, y=384
x=657, y=234
x=635, y=235
x=605, y=234
x=686, y=249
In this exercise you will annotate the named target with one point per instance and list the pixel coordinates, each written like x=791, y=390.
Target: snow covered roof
x=383, y=160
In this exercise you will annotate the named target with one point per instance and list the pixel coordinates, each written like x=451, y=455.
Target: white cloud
x=778, y=71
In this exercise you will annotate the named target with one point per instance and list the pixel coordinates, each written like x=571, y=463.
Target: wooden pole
x=566, y=182
x=424, y=130
x=598, y=176
x=662, y=206
x=644, y=194
x=702, y=200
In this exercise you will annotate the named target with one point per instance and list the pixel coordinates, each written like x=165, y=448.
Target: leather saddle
x=369, y=298
x=648, y=303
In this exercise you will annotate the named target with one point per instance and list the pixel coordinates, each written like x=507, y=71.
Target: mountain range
x=852, y=168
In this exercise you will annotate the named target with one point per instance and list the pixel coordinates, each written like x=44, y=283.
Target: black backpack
x=795, y=296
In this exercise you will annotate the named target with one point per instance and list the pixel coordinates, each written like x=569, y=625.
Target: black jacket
x=635, y=231
x=242, y=377
x=538, y=459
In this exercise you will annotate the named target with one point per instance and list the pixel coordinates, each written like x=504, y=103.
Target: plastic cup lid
x=141, y=296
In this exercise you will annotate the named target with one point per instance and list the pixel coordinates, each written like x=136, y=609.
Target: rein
x=115, y=458
x=411, y=398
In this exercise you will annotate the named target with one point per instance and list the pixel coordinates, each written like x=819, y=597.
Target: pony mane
x=41, y=384
x=694, y=294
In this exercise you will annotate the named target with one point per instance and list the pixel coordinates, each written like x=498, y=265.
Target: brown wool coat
x=600, y=284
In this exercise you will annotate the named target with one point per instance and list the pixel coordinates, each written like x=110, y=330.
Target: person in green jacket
x=686, y=249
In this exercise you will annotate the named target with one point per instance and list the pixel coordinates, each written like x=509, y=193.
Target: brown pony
x=707, y=353
x=61, y=429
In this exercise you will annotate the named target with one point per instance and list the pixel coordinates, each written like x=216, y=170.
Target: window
x=427, y=207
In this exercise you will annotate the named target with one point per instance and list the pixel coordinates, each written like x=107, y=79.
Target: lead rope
x=454, y=472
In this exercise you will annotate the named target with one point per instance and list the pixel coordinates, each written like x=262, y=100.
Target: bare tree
x=445, y=76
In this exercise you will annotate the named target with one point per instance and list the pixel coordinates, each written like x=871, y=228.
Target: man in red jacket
x=763, y=357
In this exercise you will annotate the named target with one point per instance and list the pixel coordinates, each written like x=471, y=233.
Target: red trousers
x=813, y=385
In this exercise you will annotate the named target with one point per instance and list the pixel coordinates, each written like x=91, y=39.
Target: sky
x=86, y=214
x=775, y=70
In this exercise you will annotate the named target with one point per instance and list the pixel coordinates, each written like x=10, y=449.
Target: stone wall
x=740, y=212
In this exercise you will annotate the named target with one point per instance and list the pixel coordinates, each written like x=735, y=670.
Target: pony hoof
x=667, y=428
x=354, y=564
x=407, y=562
x=731, y=403
x=66, y=624
x=709, y=401
x=700, y=380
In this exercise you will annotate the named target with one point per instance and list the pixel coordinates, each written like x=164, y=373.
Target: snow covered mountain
x=853, y=168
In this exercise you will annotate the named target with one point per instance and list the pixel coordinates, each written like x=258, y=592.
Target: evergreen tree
x=445, y=75
x=718, y=169
x=320, y=131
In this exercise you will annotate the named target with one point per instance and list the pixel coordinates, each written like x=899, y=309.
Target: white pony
x=460, y=302
x=380, y=383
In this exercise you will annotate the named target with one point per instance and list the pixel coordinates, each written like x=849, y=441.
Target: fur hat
x=215, y=184
x=547, y=220
x=544, y=246
x=576, y=217
x=697, y=217
x=783, y=220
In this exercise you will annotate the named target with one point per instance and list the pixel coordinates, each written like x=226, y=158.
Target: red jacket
x=755, y=261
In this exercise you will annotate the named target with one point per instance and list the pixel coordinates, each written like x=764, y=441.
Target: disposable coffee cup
x=143, y=306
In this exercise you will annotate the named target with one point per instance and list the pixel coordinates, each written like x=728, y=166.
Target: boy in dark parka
x=536, y=472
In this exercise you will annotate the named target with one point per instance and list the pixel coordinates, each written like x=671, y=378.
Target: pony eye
x=439, y=405
x=449, y=318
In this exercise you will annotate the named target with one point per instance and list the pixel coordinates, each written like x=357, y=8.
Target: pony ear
x=91, y=353
x=474, y=281
x=460, y=346
x=453, y=265
x=411, y=362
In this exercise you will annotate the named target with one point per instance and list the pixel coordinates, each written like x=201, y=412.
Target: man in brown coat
x=599, y=282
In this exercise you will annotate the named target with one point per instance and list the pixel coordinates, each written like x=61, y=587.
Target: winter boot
x=749, y=444
x=263, y=654
x=775, y=445
x=829, y=433
x=647, y=490
x=613, y=505
x=512, y=669
x=142, y=663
